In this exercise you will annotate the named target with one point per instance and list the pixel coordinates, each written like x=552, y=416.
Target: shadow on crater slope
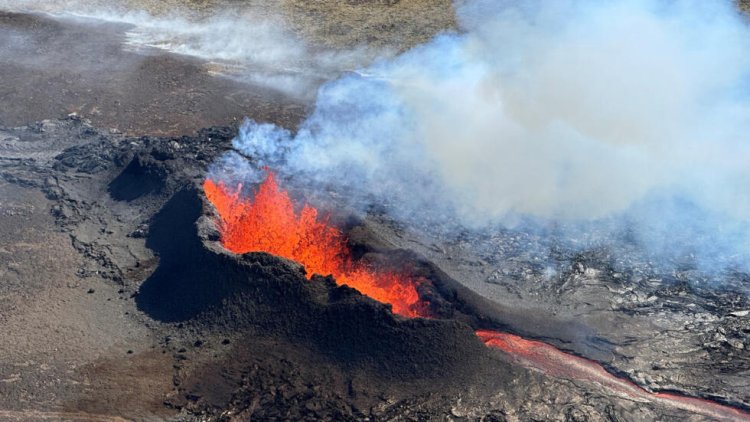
x=200, y=283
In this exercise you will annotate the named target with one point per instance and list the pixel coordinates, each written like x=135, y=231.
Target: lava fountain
x=269, y=223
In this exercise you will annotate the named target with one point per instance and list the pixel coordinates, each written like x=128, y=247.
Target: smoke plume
x=628, y=115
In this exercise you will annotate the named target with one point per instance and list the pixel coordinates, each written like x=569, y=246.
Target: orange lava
x=552, y=361
x=269, y=223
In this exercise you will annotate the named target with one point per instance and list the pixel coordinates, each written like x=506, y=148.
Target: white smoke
x=252, y=43
x=573, y=110
x=255, y=48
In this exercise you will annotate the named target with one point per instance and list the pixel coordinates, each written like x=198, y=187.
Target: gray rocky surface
x=136, y=270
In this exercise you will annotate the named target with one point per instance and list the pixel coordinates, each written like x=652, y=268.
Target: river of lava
x=269, y=223
x=552, y=361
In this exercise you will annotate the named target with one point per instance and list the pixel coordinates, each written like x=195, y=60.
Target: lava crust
x=219, y=335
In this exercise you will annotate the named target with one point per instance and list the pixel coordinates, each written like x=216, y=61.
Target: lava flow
x=552, y=361
x=269, y=223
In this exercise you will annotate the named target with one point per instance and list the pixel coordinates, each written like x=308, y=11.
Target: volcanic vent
x=258, y=335
x=268, y=222
x=534, y=216
x=263, y=292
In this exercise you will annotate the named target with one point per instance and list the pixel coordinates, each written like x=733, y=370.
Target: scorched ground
x=254, y=334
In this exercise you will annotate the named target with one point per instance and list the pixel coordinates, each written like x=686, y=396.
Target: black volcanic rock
x=142, y=176
x=198, y=281
x=277, y=345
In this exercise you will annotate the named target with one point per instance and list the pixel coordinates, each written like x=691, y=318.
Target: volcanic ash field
x=374, y=210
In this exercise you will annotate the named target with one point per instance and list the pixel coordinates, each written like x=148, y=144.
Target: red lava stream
x=269, y=223
x=550, y=360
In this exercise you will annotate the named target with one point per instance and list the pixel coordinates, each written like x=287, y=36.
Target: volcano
x=315, y=263
x=268, y=223
x=261, y=333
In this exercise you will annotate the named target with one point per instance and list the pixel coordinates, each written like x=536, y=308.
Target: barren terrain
x=118, y=302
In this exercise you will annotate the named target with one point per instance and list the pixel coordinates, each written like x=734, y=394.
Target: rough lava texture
x=666, y=330
x=157, y=321
x=118, y=303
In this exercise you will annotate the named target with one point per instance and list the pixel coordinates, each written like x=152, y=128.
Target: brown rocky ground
x=54, y=67
x=74, y=345
x=66, y=333
x=102, y=320
x=51, y=68
x=396, y=24
x=141, y=315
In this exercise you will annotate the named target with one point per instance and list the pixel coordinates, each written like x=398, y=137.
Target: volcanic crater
x=129, y=291
x=254, y=335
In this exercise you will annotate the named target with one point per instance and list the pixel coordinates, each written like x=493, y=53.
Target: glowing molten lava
x=269, y=223
x=555, y=362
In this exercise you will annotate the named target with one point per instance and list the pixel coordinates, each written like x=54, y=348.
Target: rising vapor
x=633, y=113
x=251, y=43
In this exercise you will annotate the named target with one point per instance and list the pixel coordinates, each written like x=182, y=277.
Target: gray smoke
x=629, y=115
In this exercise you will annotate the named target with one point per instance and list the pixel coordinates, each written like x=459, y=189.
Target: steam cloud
x=605, y=117
x=253, y=48
x=629, y=115
x=251, y=43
